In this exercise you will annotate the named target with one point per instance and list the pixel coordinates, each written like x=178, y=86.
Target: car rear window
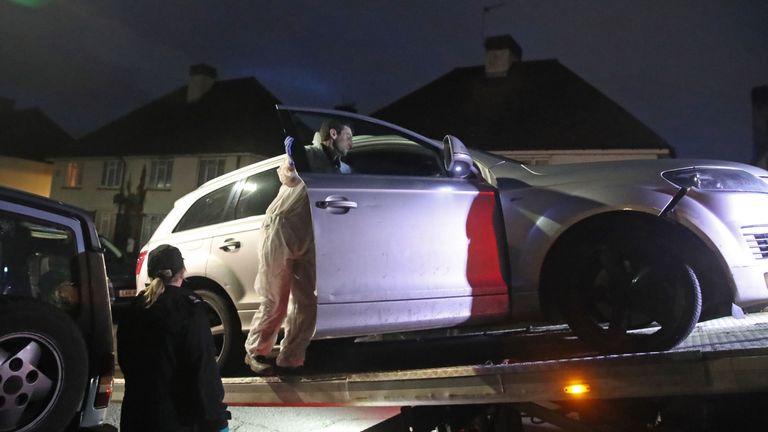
x=257, y=193
x=39, y=259
x=215, y=207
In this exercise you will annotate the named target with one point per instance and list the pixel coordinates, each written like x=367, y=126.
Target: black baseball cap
x=164, y=257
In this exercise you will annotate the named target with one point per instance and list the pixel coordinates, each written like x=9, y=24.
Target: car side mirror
x=456, y=158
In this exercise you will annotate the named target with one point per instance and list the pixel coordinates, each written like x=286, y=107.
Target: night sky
x=685, y=68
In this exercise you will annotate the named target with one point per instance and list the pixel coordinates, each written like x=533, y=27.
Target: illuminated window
x=209, y=169
x=111, y=173
x=160, y=174
x=74, y=175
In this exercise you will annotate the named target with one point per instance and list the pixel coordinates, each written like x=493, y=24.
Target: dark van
x=56, y=350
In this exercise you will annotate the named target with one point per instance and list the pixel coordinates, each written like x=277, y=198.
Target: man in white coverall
x=286, y=276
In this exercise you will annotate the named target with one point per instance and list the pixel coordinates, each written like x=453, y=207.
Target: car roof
x=46, y=204
x=228, y=177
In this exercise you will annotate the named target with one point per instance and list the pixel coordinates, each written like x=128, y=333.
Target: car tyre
x=43, y=366
x=623, y=279
x=225, y=327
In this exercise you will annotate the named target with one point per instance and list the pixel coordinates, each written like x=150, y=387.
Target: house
x=27, y=136
x=538, y=112
x=131, y=171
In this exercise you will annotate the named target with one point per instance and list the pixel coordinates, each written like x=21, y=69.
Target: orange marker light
x=577, y=389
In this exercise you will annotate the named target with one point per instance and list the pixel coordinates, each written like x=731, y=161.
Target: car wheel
x=626, y=290
x=225, y=327
x=43, y=367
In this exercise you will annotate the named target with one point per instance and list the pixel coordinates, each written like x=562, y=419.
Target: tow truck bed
x=721, y=356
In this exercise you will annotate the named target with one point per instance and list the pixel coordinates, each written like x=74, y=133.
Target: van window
x=39, y=260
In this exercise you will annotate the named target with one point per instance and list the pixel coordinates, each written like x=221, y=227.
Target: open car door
x=400, y=244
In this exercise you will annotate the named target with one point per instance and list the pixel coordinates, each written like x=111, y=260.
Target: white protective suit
x=286, y=271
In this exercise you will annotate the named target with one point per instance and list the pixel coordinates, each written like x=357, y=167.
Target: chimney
x=500, y=53
x=201, y=79
x=760, y=126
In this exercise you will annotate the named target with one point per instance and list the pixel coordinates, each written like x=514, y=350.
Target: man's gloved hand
x=289, y=149
x=224, y=429
x=287, y=171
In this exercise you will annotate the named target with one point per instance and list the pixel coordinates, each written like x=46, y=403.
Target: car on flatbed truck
x=427, y=234
x=56, y=348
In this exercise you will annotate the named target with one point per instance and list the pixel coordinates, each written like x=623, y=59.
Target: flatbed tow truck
x=717, y=379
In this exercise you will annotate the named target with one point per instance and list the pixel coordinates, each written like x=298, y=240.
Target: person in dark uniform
x=166, y=353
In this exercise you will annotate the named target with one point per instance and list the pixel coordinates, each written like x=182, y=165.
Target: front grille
x=757, y=240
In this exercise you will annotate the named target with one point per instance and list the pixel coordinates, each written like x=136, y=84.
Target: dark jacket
x=167, y=357
x=320, y=161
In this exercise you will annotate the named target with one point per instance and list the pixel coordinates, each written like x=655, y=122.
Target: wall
x=157, y=202
x=27, y=175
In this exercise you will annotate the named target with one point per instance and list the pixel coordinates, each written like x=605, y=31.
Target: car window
x=39, y=259
x=257, y=192
x=215, y=207
x=392, y=155
x=377, y=149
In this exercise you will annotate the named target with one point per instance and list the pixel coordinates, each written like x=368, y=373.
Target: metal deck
x=721, y=356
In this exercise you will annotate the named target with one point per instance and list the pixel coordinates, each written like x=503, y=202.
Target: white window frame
x=160, y=173
x=210, y=168
x=74, y=175
x=149, y=225
x=105, y=221
x=112, y=173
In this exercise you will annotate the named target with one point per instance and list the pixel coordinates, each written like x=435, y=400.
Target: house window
x=210, y=169
x=160, y=174
x=111, y=173
x=149, y=224
x=74, y=175
x=105, y=223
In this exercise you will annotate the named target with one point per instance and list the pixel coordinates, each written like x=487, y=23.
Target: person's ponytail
x=156, y=287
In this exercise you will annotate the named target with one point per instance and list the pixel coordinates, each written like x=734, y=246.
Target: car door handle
x=336, y=204
x=230, y=245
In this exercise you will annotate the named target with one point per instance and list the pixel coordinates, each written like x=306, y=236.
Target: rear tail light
x=140, y=261
x=106, y=379
x=104, y=393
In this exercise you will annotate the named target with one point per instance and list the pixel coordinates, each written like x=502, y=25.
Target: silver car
x=428, y=234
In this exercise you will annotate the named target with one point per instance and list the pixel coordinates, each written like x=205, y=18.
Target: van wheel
x=622, y=280
x=225, y=328
x=43, y=366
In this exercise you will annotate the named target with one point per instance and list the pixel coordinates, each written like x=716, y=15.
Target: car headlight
x=716, y=179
